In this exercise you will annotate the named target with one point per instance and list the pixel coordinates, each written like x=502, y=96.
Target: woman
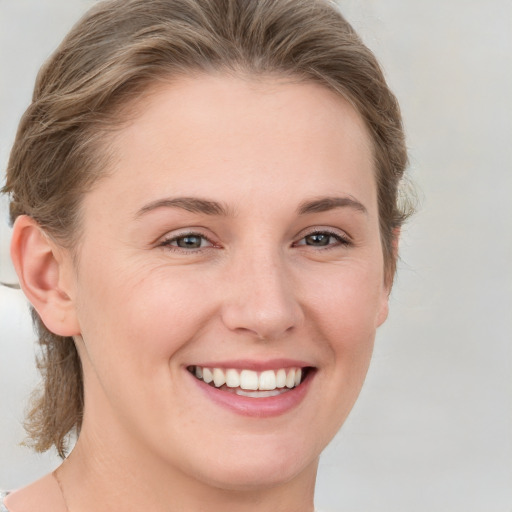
x=204, y=197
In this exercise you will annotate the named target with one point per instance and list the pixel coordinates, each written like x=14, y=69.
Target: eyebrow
x=191, y=204
x=325, y=204
x=209, y=207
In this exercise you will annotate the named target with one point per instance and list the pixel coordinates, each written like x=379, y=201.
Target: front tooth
x=199, y=372
x=281, y=378
x=298, y=376
x=249, y=380
x=232, y=379
x=259, y=394
x=290, y=378
x=267, y=380
x=219, y=377
x=207, y=375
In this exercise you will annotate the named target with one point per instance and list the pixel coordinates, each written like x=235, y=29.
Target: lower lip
x=256, y=407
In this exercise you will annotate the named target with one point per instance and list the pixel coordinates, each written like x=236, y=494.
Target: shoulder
x=43, y=495
x=3, y=494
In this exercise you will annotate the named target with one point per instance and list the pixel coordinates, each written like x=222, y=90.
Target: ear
x=388, y=280
x=46, y=275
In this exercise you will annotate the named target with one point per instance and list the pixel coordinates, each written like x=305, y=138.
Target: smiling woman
x=204, y=198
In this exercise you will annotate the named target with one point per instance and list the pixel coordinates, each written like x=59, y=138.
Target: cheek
x=133, y=324
x=345, y=311
x=140, y=313
x=349, y=299
x=347, y=308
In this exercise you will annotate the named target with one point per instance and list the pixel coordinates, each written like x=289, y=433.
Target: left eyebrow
x=324, y=204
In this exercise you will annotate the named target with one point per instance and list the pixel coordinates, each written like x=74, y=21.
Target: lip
x=256, y=407
x=258, y=366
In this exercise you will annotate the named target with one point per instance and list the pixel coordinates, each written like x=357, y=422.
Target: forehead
x=206, y=132
x=244, y=103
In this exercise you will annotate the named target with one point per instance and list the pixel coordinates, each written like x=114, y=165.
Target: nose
x=261, y=298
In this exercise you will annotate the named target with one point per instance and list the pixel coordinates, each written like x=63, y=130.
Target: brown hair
x=110, y=57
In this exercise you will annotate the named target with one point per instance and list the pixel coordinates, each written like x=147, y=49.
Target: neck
x=109, y=473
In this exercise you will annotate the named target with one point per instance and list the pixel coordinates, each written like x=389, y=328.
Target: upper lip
x=256, y=365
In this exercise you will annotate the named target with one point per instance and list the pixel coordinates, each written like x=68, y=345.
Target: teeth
x=249, y=380
x=266, y=383
x=219, y=377
x=207, y=375
x=258, y=394
x=290, y=378
x=232, y=379
x=267, y=380
x=281, y=378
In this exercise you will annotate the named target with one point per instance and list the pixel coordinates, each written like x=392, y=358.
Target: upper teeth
x=249, y=379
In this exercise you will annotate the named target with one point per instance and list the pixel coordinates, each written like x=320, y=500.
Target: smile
x=250, y=383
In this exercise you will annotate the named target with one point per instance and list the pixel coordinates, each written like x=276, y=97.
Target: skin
x=142, y=309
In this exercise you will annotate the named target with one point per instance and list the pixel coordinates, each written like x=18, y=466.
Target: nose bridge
x=262, y=299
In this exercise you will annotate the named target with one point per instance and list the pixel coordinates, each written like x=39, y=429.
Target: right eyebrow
x=191, y=204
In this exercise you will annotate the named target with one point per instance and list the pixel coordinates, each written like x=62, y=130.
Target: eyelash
x=341, y=240
x=168, y=243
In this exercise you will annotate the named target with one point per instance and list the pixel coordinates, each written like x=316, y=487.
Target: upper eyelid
x=178, y=233
x=321, y=229
x=171, y=236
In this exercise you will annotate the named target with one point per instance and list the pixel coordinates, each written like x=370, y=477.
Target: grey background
x=432, y=431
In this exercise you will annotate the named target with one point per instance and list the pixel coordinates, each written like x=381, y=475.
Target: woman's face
x=237, y=230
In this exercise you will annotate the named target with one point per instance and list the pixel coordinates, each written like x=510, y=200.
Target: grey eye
x=318, y=239
x=189, y=241
x=323, y=239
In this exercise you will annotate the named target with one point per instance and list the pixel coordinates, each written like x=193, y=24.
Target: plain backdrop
x=432, y=431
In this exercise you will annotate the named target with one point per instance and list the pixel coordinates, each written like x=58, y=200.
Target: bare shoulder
x=43, y=495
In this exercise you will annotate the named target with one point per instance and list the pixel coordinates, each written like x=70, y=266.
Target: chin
x=266, y=463
x=256, y=477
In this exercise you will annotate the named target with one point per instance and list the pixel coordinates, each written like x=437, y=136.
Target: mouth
x=251, y=383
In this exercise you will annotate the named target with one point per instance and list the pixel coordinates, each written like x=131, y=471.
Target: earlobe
x=43, y=270
x=384, y=305
x=383, y=310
